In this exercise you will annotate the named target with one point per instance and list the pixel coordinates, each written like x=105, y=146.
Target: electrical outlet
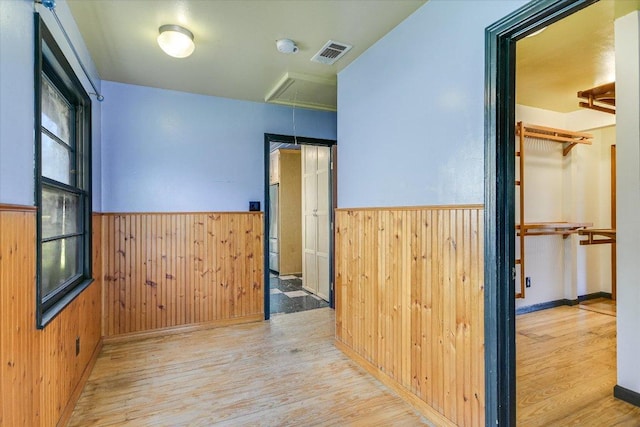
x=527, y=282
x=77, y=346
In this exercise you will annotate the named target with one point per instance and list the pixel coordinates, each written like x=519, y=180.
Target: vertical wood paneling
x=174, y=269
x=21, y=373
x=40, y=374
x=409, y=300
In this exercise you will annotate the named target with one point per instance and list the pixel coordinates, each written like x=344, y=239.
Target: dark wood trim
x=627, y=395
x=39, y=31
x=542, y=306
x=593, y=295
x=302, y=140
x=52, y=63
x=500, y=42
x=265, y=236
x=560, y=302
x=6, y=207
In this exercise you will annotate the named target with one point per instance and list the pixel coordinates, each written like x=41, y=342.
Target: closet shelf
x=600, y=98
x=606, y=235
x=570, y=138
x=552, y=228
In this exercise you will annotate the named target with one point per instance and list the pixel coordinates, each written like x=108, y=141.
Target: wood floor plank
x=566, y=369
x=600, y=305
x=283, y=372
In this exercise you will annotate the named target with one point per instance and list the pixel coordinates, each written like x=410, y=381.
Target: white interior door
x=309, y=218
x=322, y=215
x=315, y=222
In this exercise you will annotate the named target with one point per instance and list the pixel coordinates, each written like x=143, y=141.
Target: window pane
x=56, y=163
x=60, y=260
x=56, y=113
x=60, y=211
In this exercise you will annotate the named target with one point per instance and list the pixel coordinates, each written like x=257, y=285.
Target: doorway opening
x=565, y=220
x=616, y=404
x=500, y=199
x=300, y=182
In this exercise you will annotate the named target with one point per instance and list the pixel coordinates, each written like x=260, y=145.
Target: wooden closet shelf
x=568, y=139
x=607, y=236
x=558, y=135
x=600, y=98
x=552, y=228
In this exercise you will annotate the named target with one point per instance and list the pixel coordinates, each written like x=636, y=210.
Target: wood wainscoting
x=40, y=375
x=173, y=270
x=410, y=304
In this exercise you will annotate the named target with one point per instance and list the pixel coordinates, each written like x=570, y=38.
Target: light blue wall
x=168, y=151
x=16, y=103
x=411, y=110
x=16, y=96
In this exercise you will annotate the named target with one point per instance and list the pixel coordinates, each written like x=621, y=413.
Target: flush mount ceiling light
x=176, y=41
x=286, y=46
x=535, y=33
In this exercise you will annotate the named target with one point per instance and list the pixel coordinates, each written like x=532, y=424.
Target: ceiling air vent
x=331, y=52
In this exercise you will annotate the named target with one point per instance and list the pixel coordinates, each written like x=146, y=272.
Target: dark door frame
x=499, y=194
x=288, y=139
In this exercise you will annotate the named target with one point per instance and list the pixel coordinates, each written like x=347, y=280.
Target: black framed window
x=63, y=178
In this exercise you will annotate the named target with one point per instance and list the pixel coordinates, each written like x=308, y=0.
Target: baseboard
x=627, y=395
x=594, y=295
x=134, y=336
x=421, y=406
x=560, y=302
x=541, y=306
x=77, y=391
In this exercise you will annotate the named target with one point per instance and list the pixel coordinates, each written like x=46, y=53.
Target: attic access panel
x=305, y=91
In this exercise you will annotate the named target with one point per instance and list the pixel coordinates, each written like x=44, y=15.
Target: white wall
x=17, y=144
x=572, y=188
x=411, y=127
x=627, y=37
x=169, y=151
x=597, y=182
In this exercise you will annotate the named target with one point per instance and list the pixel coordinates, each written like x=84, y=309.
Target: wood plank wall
x=409, y=301
x=164, y=270
x=40, y=374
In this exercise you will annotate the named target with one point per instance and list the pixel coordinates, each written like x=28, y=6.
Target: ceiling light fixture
x=535, y=33
x=286, y=46
x=176, y=41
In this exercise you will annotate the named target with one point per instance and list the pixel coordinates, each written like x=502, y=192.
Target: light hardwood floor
x=566, y=368
x=283, y=372
x=600, y=305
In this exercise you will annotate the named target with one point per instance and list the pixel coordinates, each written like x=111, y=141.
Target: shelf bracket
x=568, y=148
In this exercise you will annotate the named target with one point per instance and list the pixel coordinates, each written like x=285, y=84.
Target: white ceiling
x=573, y=54
x=236, y=57
x=235, y=54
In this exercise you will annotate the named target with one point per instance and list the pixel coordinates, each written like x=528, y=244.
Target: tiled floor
x=287, y=296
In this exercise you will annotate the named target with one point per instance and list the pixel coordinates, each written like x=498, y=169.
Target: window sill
x=58, y=307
